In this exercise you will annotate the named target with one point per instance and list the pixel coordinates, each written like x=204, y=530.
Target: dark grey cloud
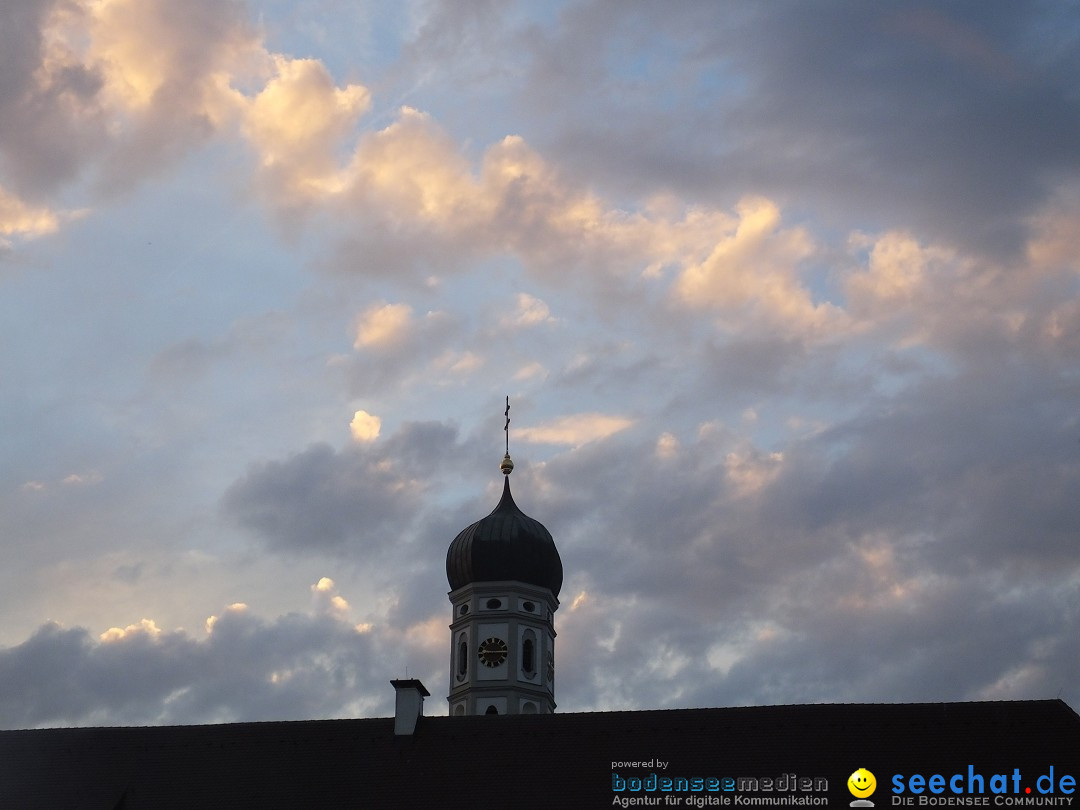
x=42, y=145
x=392, y=365
x=994, y=482
x=884, y=512
x=207, y=37
x=320, y=499
x=753, y=367
x=294, y=667
x=377, y=247
x=922, y=548
x=457, y=32
x=189, y=361
x=951, y=119
x=960, y=639
x=56, y=125
x=361, y=498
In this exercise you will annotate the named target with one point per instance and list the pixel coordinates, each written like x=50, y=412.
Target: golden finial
x=507, y=465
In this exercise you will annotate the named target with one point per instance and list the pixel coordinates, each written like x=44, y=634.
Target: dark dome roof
x=507, y=544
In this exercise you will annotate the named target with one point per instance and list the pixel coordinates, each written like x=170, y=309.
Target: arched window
x=463, y=657
x=528, y=656
x=491, y=710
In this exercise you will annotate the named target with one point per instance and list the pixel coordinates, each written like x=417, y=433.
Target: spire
x=504, y=574
x=507, y=465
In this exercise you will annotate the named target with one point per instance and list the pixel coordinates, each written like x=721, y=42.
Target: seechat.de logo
x=862, y=785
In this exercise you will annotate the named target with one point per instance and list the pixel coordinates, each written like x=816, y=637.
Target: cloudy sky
x=786, y=297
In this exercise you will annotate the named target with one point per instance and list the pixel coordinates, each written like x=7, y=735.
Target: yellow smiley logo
x=861, y=783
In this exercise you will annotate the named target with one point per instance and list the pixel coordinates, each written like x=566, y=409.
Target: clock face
x=492, y=652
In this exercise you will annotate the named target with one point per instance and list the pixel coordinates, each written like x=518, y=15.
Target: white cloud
x=902, y=277
x=749, y=471
x=365, y=427
x=247, y=668
x=327, y=599
x=530, y=311
x=667, y=446
x=145, y=627
x=382, y=324
x=458, y=363
x=751, y=276
x=297, y=122
x=431, y=632
x=18, y=218
x=575, y=430
x=151, y=52
x=411, y=172
x=531, y=371
x=83, y=479
x=1055, y=241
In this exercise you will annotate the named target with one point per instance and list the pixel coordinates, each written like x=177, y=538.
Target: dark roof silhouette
x=505, y=545
x=548, y=761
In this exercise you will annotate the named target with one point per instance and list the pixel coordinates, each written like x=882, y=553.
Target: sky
x=785, y=297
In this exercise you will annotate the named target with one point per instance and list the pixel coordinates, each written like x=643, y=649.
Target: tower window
x=463, y=610
x=528, y=606
x=494, y=604
x=463, y=658
x=491, y=710
x=528, y=656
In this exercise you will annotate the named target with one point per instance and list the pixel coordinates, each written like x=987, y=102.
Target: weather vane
x=507, y=465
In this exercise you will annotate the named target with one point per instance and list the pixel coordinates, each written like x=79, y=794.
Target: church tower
x=505, y=574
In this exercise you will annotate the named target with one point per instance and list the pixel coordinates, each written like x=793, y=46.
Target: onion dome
x=506, y=545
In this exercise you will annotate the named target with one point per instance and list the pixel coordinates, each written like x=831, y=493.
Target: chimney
x=408, y=704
